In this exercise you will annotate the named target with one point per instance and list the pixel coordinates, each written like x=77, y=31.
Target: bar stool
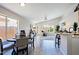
x=57, y=40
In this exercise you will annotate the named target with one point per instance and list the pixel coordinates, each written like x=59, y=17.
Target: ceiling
x=36, y=12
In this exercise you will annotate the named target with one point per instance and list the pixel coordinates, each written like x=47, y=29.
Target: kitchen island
x=69, y=44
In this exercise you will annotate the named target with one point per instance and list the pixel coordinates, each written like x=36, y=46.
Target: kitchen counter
x=69, y=44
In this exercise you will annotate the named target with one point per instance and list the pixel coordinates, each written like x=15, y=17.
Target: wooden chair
x=1, y=47
x=21, y=45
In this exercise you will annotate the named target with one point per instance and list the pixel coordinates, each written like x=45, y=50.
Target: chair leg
x=55, y=42
x=32, y=45
x=1, y=49
x=27, y=49
x=13, y=52
x=17, y=51
x=1, y=53
x=58, y=43
x=33, y=42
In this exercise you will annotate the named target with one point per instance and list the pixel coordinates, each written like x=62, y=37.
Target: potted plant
x=57, y=28
x=75, y=25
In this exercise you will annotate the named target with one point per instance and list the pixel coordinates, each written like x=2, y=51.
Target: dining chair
x=22, y=33
x=21, y=45
x=1, y=47
x=31, y=40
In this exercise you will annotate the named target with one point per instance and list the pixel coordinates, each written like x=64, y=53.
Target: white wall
x=23, y=23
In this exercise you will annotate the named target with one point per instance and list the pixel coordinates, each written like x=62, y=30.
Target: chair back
x=21, y=43
x=22, y=33
x=58, y=36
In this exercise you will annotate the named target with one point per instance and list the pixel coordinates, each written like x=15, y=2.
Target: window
x=8, y=27
x=2, y=28
x=11, y=28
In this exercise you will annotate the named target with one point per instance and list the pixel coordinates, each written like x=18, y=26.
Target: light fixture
x=22, y=4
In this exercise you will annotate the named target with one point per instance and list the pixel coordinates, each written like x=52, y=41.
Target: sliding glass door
x=2, y=27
